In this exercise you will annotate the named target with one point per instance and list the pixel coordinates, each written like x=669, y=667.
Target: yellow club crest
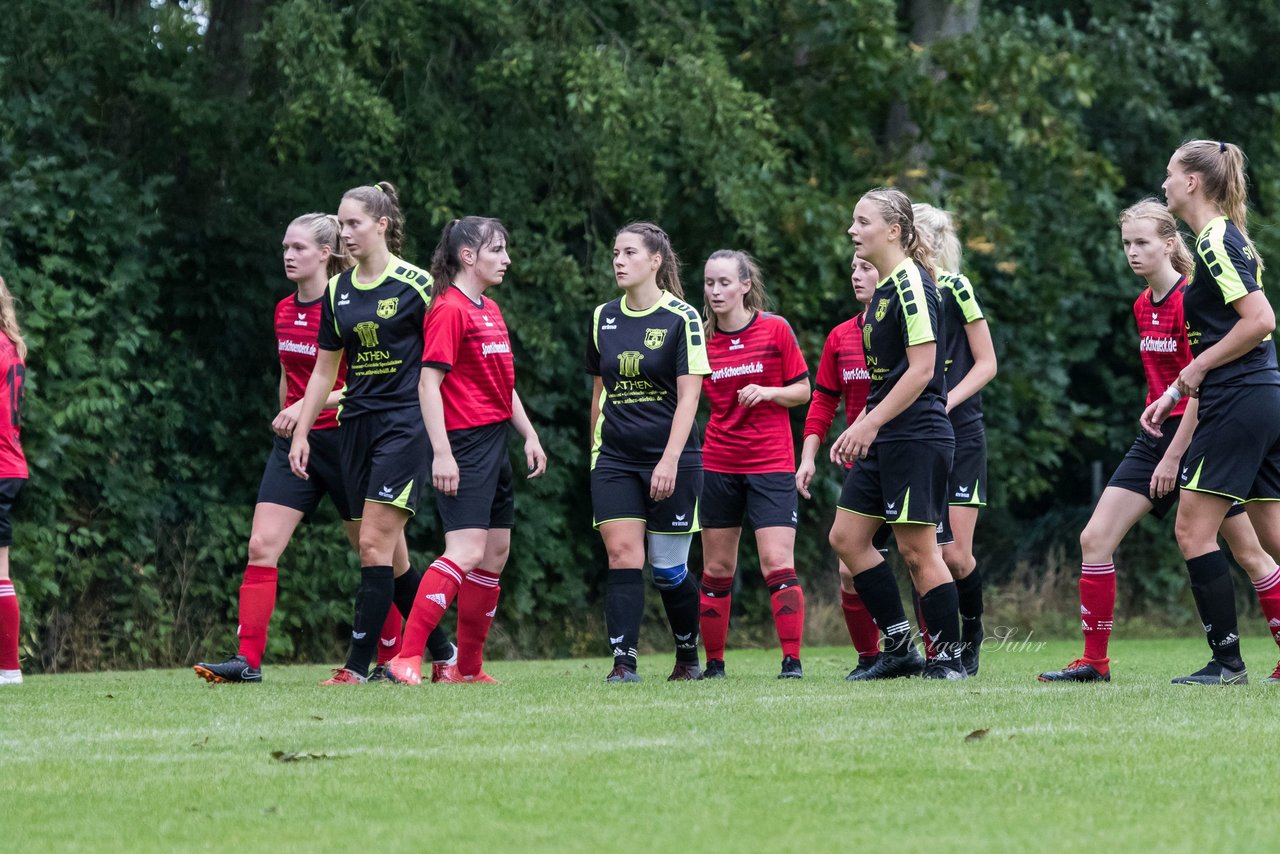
x=387, y=307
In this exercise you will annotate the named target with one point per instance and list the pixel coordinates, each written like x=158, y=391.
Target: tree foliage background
x=151, y=154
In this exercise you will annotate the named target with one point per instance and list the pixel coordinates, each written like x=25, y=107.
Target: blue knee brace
x=669, y=577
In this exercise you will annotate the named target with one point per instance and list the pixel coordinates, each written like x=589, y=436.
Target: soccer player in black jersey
x=374, y=313
x=648, y=357
x=1235, y=451
x=969, y=364
x=903, y=446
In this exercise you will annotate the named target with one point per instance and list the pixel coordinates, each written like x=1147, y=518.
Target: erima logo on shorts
x=680, y=521
x=386, y=492
x=891, y=509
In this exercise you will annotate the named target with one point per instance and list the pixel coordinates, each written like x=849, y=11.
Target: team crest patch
x=387, y=307
x=653, y=338
x=882, y=308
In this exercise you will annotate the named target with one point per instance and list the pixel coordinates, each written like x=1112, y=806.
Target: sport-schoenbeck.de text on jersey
x=737, y=371
x=1158, y=345
x=855, y=374
x=496, y=347
x=297, y=347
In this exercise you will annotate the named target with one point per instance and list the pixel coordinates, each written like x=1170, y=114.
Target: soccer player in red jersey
x=312, y=255
x=1234, y=455
x=1145, y=480
x=843, y=376
x=13, y=476
x=469, y=397
x=903, y=445
x=757, y=374
x=372, y=315
x=648, y=357
x=970, y=364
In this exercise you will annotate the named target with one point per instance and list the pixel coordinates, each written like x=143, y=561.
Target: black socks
x=623, y=611
x=1216, y=602
x=373, y=600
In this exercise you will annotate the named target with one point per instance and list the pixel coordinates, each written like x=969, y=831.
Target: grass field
x=554, y=759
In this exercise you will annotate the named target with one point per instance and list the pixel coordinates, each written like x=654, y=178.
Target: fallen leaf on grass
x=200, y=743
x=283, y=756
x=977, y=734
x=316, y=718
x=110, y=696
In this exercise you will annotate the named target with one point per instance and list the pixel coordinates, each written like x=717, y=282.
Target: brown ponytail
x=382, y=200
x=1221, y=166
x=656, y=242
x=471, y=232
x=895, y=208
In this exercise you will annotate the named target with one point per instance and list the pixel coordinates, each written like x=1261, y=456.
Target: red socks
x=714, y=603
x=788, y=609
x=1268, y=597
x=10, y=620
x=436, y=591
x=863, y=630
x=389, y=640
x=1097, y=607
x=257, y=601
x=477, y=603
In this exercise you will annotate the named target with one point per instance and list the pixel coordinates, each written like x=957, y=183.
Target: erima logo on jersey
x=302, y=319
x=608, y=323
x=487, y=321
x=1158, y=345
x=498, y=347
x=736, y=344
x=854, y=374
x=344, y=299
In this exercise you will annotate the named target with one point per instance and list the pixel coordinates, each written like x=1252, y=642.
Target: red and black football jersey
x=297, y=328
x=755, y=440
x=842, y=374
x=13, y=373
x=1162, y=341
x=470, y=341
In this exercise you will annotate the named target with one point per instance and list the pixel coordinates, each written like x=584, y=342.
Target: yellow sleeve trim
x=1212, y=249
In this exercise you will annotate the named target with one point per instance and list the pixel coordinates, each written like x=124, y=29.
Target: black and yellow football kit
x=379, y=326
x=1235, y=450
x=967, y=485
x=639, y=356
x=904, y=477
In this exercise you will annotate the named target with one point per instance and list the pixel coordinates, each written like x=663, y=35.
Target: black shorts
x=9, y=489
x=1235, y=451
x=485, y=496
x=618, y=493
x=324, y=465
x=967, y=484
x=1135, y=470
x=766, y=500
x=900, y=482
x=386, y=457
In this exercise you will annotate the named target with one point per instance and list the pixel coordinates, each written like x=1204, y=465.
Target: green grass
x=555, y=759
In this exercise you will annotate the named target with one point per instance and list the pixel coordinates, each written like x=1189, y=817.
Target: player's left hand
x=287, y=419
x=854, y=443
x=1155, y=414
x=750, y=395
x=1191, y=378
x=662, y=484
x=535, y=457
x=1164, y=479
